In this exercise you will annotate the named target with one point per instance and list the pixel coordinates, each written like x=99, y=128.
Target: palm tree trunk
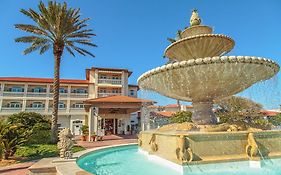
x=56, y=85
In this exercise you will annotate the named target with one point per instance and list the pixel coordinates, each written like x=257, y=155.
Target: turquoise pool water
x=127, y=160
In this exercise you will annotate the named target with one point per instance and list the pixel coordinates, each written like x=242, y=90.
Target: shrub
x=180, y=117
x=12, y=136
x=276, y=120
x=39, y=151
x=85, y=129
x=38, y=126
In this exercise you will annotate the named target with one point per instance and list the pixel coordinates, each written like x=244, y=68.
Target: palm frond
x=44, y=48
x=70, y=51
x=32, y=29
x=56, y=24
x=82, y=51
x=27, y=39
x=85, y=42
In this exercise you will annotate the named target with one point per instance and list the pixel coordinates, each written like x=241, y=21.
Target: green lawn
x=39, y=151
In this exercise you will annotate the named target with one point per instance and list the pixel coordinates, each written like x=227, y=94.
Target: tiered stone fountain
x=201, y=74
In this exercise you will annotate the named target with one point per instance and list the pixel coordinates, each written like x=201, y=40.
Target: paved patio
x=21, y=168
x=109, y=140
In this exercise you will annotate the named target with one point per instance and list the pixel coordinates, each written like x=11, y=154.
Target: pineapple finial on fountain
x=195, y=19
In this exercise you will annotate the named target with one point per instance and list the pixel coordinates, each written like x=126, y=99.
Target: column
x=68, y=99
x=93, y=121
x=114, y=128
x=1, y=102
x=2, y=89
x=90, y=123
x=145, y=117
x=25, y=89
x=1, y=95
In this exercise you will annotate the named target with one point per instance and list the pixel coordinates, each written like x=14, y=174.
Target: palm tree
x=59, y=28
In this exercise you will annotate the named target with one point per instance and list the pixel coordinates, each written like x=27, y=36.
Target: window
x=37, y=105
x=102, y=77
x=61, y=105
x=116, y=77
x=62, y=90
x=78, y=105
x=15, y=105
x=132, y=92
x=16, y=89
x=38, y=90
x=81, y=91
x=115, y=91
x=102, y=90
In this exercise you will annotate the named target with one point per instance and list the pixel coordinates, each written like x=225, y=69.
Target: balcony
x=110, y=81
x=61, y=94
x=13, y=94
x=11, y=110
x=78, y=95
x=33, y=109
x=36, y=94
x=60, y=110
x=76, y=110
x=100, y=94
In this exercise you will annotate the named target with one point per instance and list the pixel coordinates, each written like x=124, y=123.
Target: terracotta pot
x=84, y=137
x=93, y=138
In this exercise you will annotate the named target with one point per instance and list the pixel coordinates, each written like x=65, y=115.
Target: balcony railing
x=110, y=81
x=77, y=110
x=36, y=94
x=13, y=94
x=79, y=95
x=35, y=109
x=12, y=110
x=61, y=94
x=107, y=94
x=60, y=109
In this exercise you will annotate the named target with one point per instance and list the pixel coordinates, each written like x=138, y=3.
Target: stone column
x=203, y=113
x=145, y=117
x=92, y=121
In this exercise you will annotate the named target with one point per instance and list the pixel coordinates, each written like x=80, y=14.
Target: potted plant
x=93, y=136
x=85, y=132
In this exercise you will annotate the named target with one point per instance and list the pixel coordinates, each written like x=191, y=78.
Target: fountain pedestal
x=203, y=113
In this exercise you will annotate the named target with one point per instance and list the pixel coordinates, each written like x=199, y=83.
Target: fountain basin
x=184, y=148
x=207, y=79
x=199, y=46
x=196, y=30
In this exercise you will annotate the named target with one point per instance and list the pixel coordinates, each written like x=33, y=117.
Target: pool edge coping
x=73, y=168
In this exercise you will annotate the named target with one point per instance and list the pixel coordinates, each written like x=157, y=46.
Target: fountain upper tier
x=207, y=79
x=197, y=41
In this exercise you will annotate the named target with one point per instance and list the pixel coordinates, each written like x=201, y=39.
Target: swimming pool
x=127, y=160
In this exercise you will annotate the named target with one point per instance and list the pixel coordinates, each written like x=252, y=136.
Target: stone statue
x=195, y=19
x=153, y=144
x=65, y=143
x=184, y=152
x=252, y=146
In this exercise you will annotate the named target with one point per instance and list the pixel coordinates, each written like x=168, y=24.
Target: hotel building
x=76, y=98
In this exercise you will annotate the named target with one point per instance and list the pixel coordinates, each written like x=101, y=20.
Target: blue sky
x=132, y=35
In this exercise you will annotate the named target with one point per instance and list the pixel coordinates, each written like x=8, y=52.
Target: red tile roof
x=270, y=113
x=165, y=114
x=42, y=80
x=117, y=99
x=176, y=106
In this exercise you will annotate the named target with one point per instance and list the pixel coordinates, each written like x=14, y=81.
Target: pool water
x=127, y=160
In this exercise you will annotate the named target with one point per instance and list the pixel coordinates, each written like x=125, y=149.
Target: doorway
x=110, y=126
x=76, y=127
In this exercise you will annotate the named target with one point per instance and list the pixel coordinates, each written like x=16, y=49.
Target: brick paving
x=109, y=140
x=21, y=168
